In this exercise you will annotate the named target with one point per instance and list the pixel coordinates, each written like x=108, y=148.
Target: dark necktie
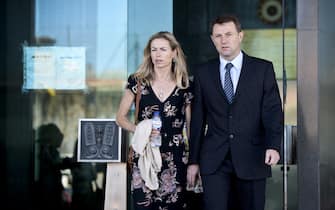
x=228, y=84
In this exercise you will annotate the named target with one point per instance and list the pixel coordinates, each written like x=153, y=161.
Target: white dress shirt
x=235, y=71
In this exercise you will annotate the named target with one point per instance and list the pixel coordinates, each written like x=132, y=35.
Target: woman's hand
x=154, y=133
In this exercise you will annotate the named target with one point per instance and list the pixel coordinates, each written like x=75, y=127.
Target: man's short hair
x=226, y=19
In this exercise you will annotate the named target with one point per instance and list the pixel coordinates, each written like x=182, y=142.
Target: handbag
x=137, y=102
x=130, y=162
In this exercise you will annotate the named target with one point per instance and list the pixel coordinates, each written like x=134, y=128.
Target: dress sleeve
x=189, y=93
x=132, y=84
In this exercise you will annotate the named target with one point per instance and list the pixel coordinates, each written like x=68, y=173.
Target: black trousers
x=223, y=190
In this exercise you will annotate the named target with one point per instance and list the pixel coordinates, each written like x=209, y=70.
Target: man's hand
x=192, y=174
x=271, y=157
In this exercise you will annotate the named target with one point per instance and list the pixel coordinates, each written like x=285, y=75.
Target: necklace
x=160, y=93
x=163, y=85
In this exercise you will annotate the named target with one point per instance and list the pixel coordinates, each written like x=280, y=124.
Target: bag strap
x=138, y=98
x=130, y=160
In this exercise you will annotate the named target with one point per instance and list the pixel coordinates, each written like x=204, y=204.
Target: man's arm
x=196, y=132
x=197, y=122
x=272, y=117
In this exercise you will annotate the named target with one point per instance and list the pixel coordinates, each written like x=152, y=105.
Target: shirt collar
x=237, y=61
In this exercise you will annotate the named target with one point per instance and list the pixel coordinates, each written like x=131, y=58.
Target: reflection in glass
x=113, y=34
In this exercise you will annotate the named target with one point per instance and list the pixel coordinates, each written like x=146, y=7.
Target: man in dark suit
x=236, y=125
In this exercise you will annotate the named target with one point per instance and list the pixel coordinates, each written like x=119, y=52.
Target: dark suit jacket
x=249, y=126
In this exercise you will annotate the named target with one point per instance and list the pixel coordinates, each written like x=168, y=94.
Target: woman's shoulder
x=188, y=92
x=190, y=84
x=187, y=89
x=132, y=83
x=132, y=78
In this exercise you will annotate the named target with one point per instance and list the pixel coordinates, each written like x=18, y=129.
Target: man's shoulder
x=256, y=59
x=212, y=61
x=203, y=67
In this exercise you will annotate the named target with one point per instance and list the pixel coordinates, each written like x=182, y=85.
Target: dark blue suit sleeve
x=197, y=121
x=272, y=114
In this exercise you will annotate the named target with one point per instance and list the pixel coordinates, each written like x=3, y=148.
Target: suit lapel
x=215, y=66
x=243, y=80
x=214, y=69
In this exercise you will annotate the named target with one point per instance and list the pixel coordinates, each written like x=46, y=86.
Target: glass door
x=264, y=37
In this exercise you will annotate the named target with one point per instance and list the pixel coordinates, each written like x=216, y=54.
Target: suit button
x=231, y=136
x=230, y=116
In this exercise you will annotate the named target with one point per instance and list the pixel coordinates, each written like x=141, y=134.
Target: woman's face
x=161, y=53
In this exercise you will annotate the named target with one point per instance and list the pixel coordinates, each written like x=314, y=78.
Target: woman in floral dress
x=165, y=87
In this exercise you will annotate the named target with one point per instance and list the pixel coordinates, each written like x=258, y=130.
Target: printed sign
x=61, y=68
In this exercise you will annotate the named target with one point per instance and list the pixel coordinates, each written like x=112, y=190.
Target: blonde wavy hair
x=145, y=73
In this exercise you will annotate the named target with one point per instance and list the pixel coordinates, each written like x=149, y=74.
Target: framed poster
x=99, y=140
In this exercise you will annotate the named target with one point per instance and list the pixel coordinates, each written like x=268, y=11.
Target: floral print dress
x=172, y=177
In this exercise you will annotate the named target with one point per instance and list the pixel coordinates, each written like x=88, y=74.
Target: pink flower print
x=168, y=182
x=137, y=181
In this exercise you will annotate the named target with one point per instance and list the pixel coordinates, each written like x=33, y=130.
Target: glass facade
x=114, y=34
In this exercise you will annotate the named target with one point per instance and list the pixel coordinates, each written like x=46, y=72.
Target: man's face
x=227, y=40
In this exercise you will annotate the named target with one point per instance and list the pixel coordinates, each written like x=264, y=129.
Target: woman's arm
x=121, y=116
